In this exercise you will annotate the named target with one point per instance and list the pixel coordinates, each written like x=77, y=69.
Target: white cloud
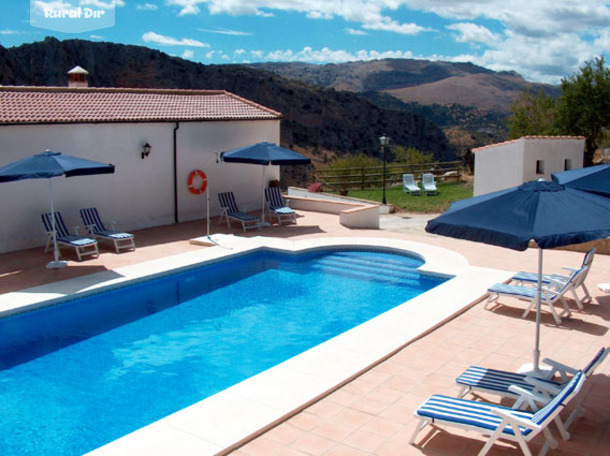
x=187, y=6
x=602, y=42
x=541, y=39
x=224, y=31
x=468, y=32
x=54, y=5
x=147, y=7
x=216, y=55
x=327, y=55
x=9, y=32
x=352, y=31
x=366, y=12
x=152, y=37
x=188, y=54
x=102, y=4
x=70, y=4
x=533, y=59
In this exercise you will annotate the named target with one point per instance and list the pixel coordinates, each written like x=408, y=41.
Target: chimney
x=78, y=77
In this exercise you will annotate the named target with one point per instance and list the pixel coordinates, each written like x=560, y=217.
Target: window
x=567, y=164
x=539, y=166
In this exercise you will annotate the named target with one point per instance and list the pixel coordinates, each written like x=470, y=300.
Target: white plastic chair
x=429, y=184
x=409, y=185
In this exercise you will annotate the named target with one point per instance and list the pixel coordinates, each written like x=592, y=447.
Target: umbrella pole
x=55, y=264
x=207, y=196
x=538, y=311
x=263, y=223
x=207, y=208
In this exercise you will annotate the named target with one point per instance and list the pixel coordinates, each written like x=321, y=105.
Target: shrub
x=316, y=187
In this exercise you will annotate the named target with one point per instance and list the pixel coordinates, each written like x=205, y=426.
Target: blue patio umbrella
x=265, y=154
x=550, y=214
x=595, y=179
x=47, y=165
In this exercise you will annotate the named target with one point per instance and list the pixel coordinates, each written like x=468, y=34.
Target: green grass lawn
x=448, y=192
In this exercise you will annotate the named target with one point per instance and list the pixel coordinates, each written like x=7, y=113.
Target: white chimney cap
x=78, y=70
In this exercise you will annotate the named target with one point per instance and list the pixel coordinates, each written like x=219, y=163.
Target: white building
x=509, y=164
x=186, y=129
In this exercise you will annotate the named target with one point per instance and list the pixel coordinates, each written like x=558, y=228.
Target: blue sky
x=543, y=40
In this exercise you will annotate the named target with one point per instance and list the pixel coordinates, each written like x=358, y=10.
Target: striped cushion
x=283, y=210
x=471, y=413
x=76, y=240
x=558, y=400
x=524, y=276
x=517, y=290
x=598, y=358
x=494, y=380
x=227, y=200
x=114, y=234
x=242, y=216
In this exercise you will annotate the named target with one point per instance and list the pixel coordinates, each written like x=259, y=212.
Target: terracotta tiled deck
x=373, y=415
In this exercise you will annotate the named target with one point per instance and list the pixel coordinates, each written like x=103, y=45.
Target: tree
x=410, y=156
x=532, y=114
x=584, y=105
x=582, y=109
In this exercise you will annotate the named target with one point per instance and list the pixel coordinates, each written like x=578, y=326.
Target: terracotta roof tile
x=489, y=146
x=24, y=105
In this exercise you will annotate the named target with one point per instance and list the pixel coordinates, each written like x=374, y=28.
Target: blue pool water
x=82, y=373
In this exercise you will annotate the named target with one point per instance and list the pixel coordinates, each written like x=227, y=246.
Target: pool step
x=363, y=269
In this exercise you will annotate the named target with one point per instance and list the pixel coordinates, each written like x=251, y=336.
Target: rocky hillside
x=320, y=121
x=420, y=81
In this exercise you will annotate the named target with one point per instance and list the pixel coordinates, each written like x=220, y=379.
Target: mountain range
x=329, y=110
x=420, y=81
x=323, y=122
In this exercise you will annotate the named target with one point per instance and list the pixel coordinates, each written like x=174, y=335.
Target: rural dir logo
x=72, y=16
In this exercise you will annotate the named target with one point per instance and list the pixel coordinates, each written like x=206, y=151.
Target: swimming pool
x=260, y=306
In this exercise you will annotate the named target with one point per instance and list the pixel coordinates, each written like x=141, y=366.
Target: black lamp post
x=384, y=141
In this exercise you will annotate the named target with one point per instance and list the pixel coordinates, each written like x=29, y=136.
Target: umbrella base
x=264, y=224
x=57, y=264
x=543, y=372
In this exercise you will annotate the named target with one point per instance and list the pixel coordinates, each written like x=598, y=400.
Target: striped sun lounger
x=121, y=241
x=278, y=207
x=230, y=211
x=83, y=246
x=501, y=383
x=496, y=421
x=551, y=294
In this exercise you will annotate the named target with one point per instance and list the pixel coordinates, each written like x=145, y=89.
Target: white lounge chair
x=92, y=221
x=551, y=294
x=277, y=206
x=502, y=383
x=524, y=277
x=83, y=246
x=409, y=185
x=499, y=422
x=229, y=210
x=428, y=184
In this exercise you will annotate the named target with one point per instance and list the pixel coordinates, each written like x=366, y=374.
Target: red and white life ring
x=200, y=175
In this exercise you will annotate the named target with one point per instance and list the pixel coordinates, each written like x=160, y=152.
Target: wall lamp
x=145, y=150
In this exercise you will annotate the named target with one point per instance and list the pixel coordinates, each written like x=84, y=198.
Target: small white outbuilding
x=508, y=164
x=185, y=130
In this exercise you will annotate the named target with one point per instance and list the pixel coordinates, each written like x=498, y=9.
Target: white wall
x=553, y=152
x=512, y=163
x=140, y=193
x=498, y=167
